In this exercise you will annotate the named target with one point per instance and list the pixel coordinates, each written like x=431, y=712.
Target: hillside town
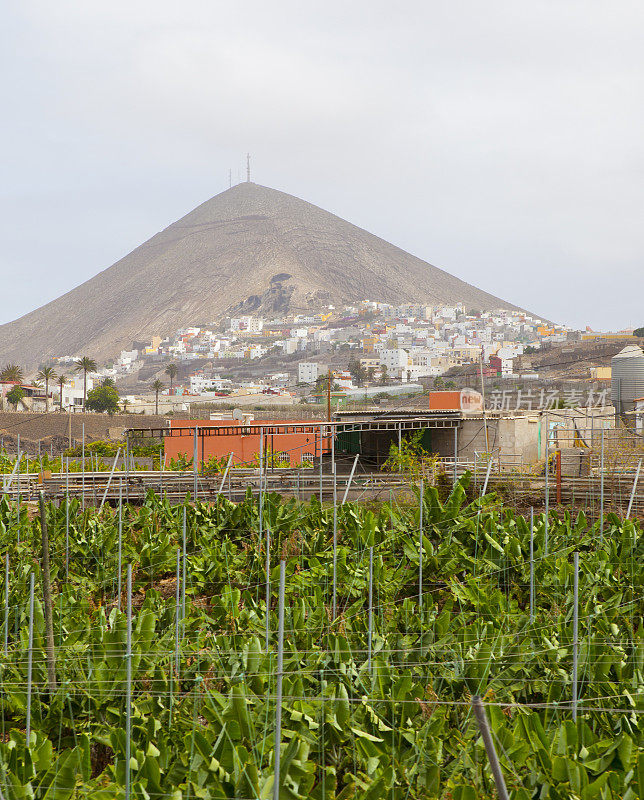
x=368, y=350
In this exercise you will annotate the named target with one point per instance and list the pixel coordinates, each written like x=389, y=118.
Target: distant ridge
x=250, y=248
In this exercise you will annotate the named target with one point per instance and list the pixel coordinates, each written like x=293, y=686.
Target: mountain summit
x=250, y=249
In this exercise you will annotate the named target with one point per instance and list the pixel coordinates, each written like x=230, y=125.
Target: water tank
x=627, y=381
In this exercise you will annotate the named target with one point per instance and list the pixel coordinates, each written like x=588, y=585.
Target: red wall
x=243, y=447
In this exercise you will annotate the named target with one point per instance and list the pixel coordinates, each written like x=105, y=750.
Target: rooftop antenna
x=247, y=167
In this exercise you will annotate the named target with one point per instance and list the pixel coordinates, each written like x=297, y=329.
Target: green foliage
x=639, y=332
x=403, y=730
x=15, y=395
x=412, y=458
x=103, y=399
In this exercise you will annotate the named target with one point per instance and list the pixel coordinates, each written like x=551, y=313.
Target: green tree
x=108, y=382
x=11, y=373
x=15, y=395
x=639, y=332
x=61, y=381
x=171, y=371
x=357, y=371
x=103, y=399
x=384, y=375
x=157, y=386
x=46, y=374
x=371, y=373
x=85, y=365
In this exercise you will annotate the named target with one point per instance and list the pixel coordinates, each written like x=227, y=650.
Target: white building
x=73, y=392
x=200, y=384
x=309, y=371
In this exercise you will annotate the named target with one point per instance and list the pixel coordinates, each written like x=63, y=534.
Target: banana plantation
x=141, y=652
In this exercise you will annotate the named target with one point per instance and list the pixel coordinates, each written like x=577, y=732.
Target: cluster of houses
x=392, y=344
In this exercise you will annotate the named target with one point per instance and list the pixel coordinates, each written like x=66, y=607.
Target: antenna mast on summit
x=247, y=167
x=230, y=178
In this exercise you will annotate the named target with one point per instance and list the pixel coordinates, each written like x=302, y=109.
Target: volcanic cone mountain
x=250, y=249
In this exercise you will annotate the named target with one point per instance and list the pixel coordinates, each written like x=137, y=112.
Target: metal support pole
x=67, y=522
x=83, y=467
x=486, y=735
x=335, y=543
x=487, y=475
x=128, y=683
x=127, y=467
x=455, y=454
x=268, y=585
x=30, y=655
x=353, y=469
x=195, y=455
x=420, y=550
x=223, y=480
x=6, y=604
x=531, y=565
x=630, y=502
x=46, y=590
x=601, y=492
x=120, y=546
x=575, y=637
x=177, y=612
x=547, y=508
x=183, y=564
x=109, y=481
x=369, y=643
x=320, y=465
x=280, y=675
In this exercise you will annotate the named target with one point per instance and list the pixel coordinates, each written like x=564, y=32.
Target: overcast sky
x=501, y=141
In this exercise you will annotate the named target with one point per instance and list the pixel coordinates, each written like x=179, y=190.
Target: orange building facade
x=302, y=444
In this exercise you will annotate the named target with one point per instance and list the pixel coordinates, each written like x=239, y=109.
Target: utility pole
x=328, y=396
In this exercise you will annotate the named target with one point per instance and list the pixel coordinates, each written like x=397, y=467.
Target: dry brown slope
x=249, y=247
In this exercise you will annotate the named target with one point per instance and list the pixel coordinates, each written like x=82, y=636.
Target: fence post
x=67, y=522
x=280, y=675
x=370, y=606
x=183, y=566
x=83, y=468
x=268, y=585
x=128, y=683
x=575, y=638
x=195, y=455
x=486, y=735
x=420, y=551
x=177, y=612
x=532, y=565
x=30, y=655
x=6, y=604
x=335, y=543
x=601, y=493
x=46, y=589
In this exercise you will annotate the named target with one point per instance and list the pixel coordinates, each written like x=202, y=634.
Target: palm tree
x=61, y=381
x=11, y=373
x=157, y=386
x=85, y=365
x=171, y=371
x=46, y=374
x=125, y=402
